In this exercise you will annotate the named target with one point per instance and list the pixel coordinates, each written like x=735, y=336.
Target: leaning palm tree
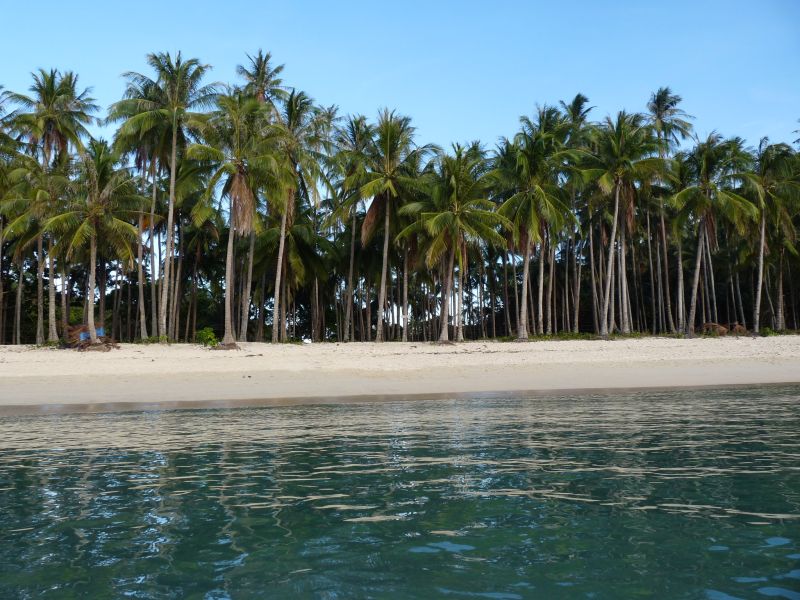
x=52, y=118
x=713, y=164
x=241, y=145
x=386, y=178
x=774, y=184
x=174, y=94
x=457, y=212
x=103, y=208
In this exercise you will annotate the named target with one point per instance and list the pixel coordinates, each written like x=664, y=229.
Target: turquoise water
x=645, y=495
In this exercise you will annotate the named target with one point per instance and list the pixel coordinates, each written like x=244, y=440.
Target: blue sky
x=462, y=70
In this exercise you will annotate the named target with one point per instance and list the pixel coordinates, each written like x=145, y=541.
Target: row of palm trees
x=255, y=211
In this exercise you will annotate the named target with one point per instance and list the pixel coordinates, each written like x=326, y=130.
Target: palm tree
x=262, y=80
x=102, y=210
x=576, y=114
x=623, y=150
x=538, y=201
x=670, y=122
x=458, y=212
x=148, y=142
x=172, y=98
x=712, y=163
x=241, y=145
x=672, y=126
x=386, y=177
x=34, y=193
x=351, y=141
x=776, y=188
x=53, y=117
x=299, y=170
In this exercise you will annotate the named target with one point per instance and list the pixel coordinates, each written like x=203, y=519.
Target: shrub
x=207, y=337
x=153, y=339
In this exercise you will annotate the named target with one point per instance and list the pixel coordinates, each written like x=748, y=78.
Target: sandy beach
x=139, y=376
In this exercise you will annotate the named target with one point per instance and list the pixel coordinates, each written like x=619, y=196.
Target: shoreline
x=153, y=377
x=12, y=410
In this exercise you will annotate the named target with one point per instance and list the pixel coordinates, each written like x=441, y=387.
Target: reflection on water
x=672, y=494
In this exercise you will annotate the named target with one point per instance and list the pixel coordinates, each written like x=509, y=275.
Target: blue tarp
x=101, y=332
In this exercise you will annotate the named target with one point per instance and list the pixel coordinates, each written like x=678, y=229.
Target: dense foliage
x=251, y=212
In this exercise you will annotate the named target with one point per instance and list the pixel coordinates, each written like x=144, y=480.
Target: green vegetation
x=207, y=337
x=252, y=212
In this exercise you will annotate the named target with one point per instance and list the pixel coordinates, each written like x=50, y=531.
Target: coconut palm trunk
x=277, y=323
x=18, y=306
x=506, y=304
x=405, y=296
x=229, y=338
x=248, y=284
x=173, y=169
x=460, y=300
x=382, y=291
x=576, y=293
x=605, y=317
x=90, y=299
x=349, y=331
x=696, y=277
x=52, y=333
x=760, y=276
x=153, y=280
x=444, y=334
x=680, y=296
x=623, y=276
x=667, y=296
x=780, y=319
x=522, y=324
x=140, y=280
x=540, y=293
x=39, y=291
x=593, y=279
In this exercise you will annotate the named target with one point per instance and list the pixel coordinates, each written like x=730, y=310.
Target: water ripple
x=686, y=493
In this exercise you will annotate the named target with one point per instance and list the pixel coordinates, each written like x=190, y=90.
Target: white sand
x=183, y=374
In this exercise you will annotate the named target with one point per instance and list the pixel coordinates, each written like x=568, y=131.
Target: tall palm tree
x=174, y=95
x=386, y=177
x=623, y=155
x=538, y=202
x=776, y=189
x=148, y=141
x=102, y=210
x=458, y=212
x=672, y=125
x=713, y=163
x=351, y=141
x=262, y=80
x=240, y=144
x=52, y=118
x=576, y=114
x=299, y=170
